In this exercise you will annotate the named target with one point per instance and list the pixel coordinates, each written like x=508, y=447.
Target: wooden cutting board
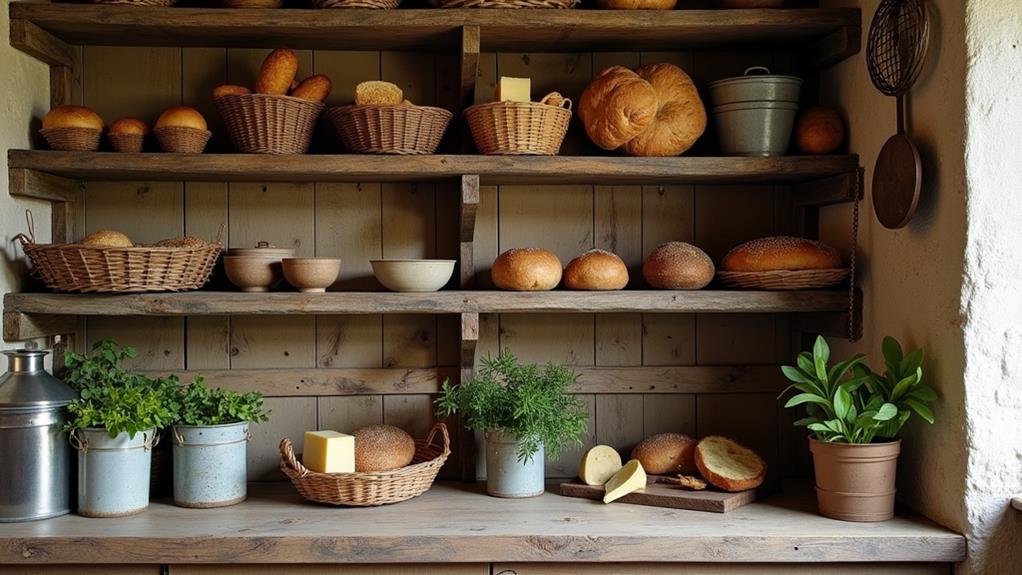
x=666, y=495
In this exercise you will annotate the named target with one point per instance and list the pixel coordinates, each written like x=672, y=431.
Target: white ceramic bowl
x=413, y=275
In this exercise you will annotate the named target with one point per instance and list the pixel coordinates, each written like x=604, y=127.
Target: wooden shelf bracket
x=469, y=205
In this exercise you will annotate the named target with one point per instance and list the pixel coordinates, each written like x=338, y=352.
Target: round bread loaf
x=728, y=465
x=636, y=4
x=596, y=270
x=677, y=265
x=667, y=453
x=378, y=93
x=382, y=448
x=819, y=131
x=277, y=73
x=680, y=115
x=526, y=269
x=314, y=88
x=229, y=90
x=781, y=253
x=129, y=127
x=107, y=239
x=72, y=117
x=181, y=117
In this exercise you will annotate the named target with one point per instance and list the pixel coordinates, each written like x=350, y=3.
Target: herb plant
x=531, y=402
x=849, y=403
x=200, y=405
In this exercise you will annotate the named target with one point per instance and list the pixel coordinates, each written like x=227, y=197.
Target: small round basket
x=370, y=489
x=390, y=129
x=269, y=124
x=519, y=128
x=376, y=4
x=72, y=139
x=562, y=4
x=785, y=279
x=150, y=3
x=126, y=143
x=182, y=140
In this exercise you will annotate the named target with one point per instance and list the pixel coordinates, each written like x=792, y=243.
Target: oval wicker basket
x=391, y=129
x=561, y=4
x=519, y=128
x=785, y=279
x=376, y=4
x=370, y=489
x=269, y=124
x=72, y=139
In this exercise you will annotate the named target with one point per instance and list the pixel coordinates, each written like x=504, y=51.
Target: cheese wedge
x=599, y=464
x=632, y=477
x=514, y=90
x=329, y=452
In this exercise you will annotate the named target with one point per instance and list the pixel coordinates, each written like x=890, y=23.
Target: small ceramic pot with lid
x=256, y=269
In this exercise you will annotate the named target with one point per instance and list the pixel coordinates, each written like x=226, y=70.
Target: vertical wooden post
x=466, y=442
x=469, y=72
x=469, y=205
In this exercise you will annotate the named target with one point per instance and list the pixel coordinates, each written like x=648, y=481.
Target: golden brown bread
x=185, y=242
x=666, y=453
x=636, y=4
x=72, y=117
x=107, y=239
x=680, y=116
x=277, y=72
x=526, y=269
x=617, y=106
x=229, y=90
x=181, y=117
x=728, y=465
x=382, y=448
x=678, y=265
x=781, y=253
x=819, y=131
x=596, y=270
x=378, y=93
x=314, y=88
x=129, y=127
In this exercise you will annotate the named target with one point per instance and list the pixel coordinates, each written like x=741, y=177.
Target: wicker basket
x=370, y=489
x=182, y=140
x=390, y=129
x=784, y=279
x=269, y=124
x=505, y=3
x=377, y=4
x=152, y=3
x=126, y=143
x=519, y=128
x=72, y=139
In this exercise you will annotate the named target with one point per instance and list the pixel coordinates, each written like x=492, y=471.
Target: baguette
x=277, y=72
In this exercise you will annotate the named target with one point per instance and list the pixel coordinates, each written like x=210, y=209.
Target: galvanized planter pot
x=113, y=472
x=755, y=113
x=505, y=475
x=210, y=464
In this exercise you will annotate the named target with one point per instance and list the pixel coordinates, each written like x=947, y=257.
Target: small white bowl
x=413, y=275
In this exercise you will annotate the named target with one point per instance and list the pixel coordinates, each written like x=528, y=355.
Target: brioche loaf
x=666, y=453
x=727, y=465
x=526, y=269
x=378, y=93
x=129, y=127
x=781, y=253
x=382, y=448
x=181, y=117
x=229, y=90
x=277, y=72
x=107, y=239
x=677, y=265
x=314, y=88
x=596, y=270
x=72, y=117
x=680, y=117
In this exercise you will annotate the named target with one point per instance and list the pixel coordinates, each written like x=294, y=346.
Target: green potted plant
x=525, y=411
x=114, y=426
x=210, y=440
x=855, y=416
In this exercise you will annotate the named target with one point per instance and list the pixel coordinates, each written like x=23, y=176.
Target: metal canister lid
x=28, y=385
x=757, y=74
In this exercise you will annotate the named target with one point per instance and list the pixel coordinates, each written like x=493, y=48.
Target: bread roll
x=72, y=117
x=129, y=127
x=677, y=265
x=107, y=239
x=596, y=270
x=636, y=4
x=680, y=115
x=728, y=465
x=382, y=448
x=819, y=131
x=277, y=72
x=181, y=117
x=617, y=106
x=781, y=253
x=314, y=88
x=526, y=269
x=229, y=90
x=667, y=453
x=378, y=93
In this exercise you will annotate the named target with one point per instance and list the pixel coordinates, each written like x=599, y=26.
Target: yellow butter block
x=329, y=452
x=514, y=90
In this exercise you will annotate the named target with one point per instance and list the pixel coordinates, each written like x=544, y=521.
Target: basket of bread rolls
x=782, y=263
x=375, y=465
x=515, y=125
x=182, y=129
x=72, y=129
x=127, y=135
x=108, y=261
x=278, y=116
x=383, y=121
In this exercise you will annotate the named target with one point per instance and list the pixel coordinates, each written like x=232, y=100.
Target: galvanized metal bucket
x=754, y=113
x=113, y=472
x=210, y=464
x=505, y=475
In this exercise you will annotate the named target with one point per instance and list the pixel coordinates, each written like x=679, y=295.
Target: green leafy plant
x=849, y=403
x=200, y=405
x=531, y=402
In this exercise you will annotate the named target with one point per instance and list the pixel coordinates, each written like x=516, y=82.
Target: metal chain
x=857, y=192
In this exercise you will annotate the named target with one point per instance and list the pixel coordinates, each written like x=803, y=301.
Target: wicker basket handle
x=566, y=104
x=442, y=428
x=288, y=458
x=30, y=238
x=220, y=235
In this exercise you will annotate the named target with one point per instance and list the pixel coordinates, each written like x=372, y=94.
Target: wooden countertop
x=456, y=522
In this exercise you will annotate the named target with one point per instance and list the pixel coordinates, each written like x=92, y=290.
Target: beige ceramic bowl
x=252, y=273
x=413, y=275
x=311, y=275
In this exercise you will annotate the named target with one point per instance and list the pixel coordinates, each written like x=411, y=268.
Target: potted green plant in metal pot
x=855, y=416
x=525, y=411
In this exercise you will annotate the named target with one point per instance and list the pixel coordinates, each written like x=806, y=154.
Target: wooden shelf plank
x=529, y=30
x=108, y=166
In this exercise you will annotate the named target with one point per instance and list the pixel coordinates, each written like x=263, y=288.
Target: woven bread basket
x=126, y=143
x=519, y=128
x=269, y=124
x=377, y=4
x=505, y=3
x=151, y=3
x=785, y=279
x=72, y=139
x=180, y=139
x=390, y=129
x=370, y=489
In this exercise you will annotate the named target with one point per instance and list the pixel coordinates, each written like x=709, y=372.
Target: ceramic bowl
x=413, y=275
x=311, y=275
x=253, y=273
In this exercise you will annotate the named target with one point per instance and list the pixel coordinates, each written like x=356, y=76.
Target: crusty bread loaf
x=526, y=269
x=680, y=115
x=107, y=239
x=277, y=72
x=781, y=253
x=314, y=88
x=181, y=117
x=728, y=465
x=666, y=453
x=596, y=270
x=378, y=93
x=678, y=265
x=382, y=448
x=72, y=117
x=229, y=90
x=636, y=4
x=129, y=127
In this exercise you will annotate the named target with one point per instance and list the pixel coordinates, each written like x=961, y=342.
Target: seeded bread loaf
x=667, y=453
x=781, y=253
x=382, y=448
x=378, y=93
x=677, y=265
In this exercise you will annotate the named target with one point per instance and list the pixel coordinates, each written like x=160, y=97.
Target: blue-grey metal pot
x=755, y=128
x=506, y=476
x=210, y=464
x=113, y=472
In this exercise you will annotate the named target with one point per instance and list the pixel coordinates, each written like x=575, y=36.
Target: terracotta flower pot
x=855, y=482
